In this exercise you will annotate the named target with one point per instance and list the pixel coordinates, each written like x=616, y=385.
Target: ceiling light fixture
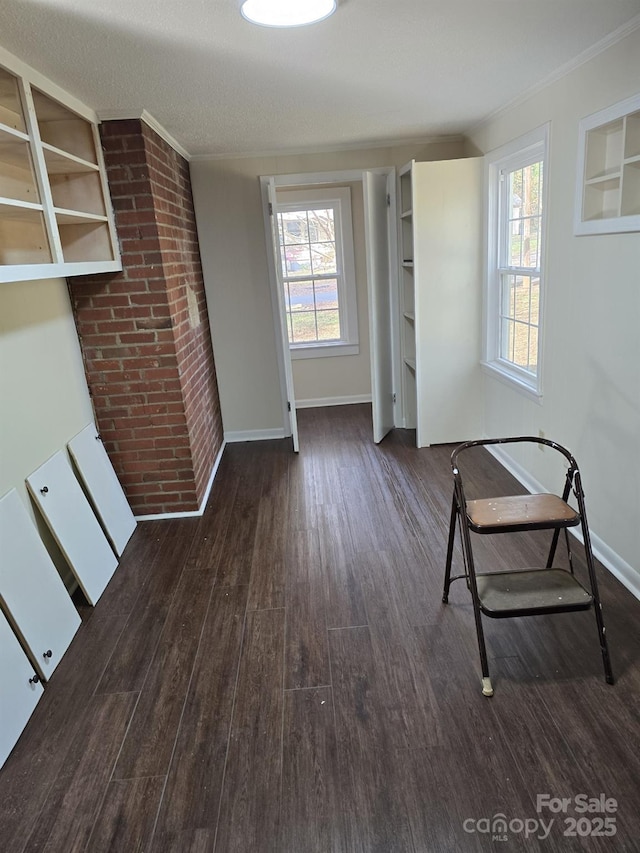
x=287, y=13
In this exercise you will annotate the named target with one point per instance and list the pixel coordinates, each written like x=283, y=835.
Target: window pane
x=301, y=296
x=298, y=260
x=328, y=326
x=327, y=293
x=293, y=227
x=521, y=345
x=321, y=226
x=506, y=339
x=323, y=257
x=524, y=216
x=303, y=327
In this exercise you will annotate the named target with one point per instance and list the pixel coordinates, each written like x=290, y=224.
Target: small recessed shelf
x=608, y=185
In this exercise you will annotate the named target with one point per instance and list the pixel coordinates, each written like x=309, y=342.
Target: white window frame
x=521, y=152
x=340, y=199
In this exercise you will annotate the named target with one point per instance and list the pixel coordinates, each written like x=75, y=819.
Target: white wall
x=232, y=244
x=44, y=399
x=591, y=354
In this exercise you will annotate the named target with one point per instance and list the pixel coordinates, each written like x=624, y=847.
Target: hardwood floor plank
x=250, y=804
x=194, y=785
x=70, y=810
x=127, y=816
x=346, y=606
x=268, y=557
x=310, y=814
x=187, y=841
x=234, y=566
x=306, y=647
x=36, y=759
x=148, y=747
x=128, y=666
x=136, y=564
x=207, y=539
x=373, y=800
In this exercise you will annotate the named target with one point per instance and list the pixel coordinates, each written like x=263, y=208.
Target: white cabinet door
x=75, y=528
x=31, y=589
x=447, y=229
x=379, y=287
x=101, y=483
x=19, y=693
x=277, y=262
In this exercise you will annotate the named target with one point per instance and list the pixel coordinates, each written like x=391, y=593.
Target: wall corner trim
x=203, y=503
x=618, y=567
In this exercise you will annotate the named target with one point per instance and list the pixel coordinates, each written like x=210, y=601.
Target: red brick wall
x=145, y=333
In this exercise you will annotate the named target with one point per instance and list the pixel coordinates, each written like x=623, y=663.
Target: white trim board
x=234, y=436
x=319, y=402
x=161, y=516
x=618, y=567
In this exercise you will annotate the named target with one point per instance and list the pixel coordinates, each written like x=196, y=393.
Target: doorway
x=303, y=366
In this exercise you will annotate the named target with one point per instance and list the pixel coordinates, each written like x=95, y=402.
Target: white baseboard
x=618, y=567
x=318, y=402
x=253, y=435
x=203, y=503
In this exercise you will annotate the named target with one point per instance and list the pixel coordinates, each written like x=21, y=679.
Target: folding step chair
x=529, y=591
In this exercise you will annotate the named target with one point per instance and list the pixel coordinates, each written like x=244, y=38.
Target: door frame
x=310, y=179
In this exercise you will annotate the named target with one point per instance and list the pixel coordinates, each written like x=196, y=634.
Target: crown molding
x=333, y=149
x=590, y=53
x=150, y=121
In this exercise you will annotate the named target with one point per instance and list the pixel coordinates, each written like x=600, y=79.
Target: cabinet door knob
x=44, y=490
x=34, y=680
x=47, y=654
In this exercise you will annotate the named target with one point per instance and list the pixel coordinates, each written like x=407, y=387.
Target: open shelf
x=10, y=107
x=61, y=163
x=79, y=191
x=23, y=236
x=608, y=190
x=17, y=177
x=86, y=241
x=63, y=129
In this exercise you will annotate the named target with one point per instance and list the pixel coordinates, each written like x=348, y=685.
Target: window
x=316, y=253
x=516, y=178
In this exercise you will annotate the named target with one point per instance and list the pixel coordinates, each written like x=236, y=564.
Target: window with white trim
x=318, y=274
x=514, y=294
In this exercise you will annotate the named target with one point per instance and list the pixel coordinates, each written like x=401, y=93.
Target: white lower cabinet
x=31, y=590
x=20, y=689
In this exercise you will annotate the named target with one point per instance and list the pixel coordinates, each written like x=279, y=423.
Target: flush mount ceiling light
x=287, y=13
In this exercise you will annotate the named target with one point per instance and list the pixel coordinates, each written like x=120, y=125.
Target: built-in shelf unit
x=55, y=212
x=440, y=214
x=608, y=183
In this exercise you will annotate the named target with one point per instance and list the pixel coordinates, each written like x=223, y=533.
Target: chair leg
x=487, y=689
x=597, y=605
x=452, y=536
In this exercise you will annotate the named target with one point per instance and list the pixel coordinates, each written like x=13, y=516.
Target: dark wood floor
x=281, y=675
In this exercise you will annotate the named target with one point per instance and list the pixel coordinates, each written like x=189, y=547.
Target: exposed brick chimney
x=145, y=334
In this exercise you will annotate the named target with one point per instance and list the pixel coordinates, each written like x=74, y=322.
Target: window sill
x=515, y=382
x=323, y=350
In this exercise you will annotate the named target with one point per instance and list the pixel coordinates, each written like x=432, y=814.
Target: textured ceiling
x=374, y=72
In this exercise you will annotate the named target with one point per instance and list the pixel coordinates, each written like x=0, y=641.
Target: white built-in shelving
x=55, y=212
x=608, y=184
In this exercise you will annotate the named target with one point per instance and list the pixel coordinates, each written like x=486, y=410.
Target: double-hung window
x=318, y=276
x=516, y=181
